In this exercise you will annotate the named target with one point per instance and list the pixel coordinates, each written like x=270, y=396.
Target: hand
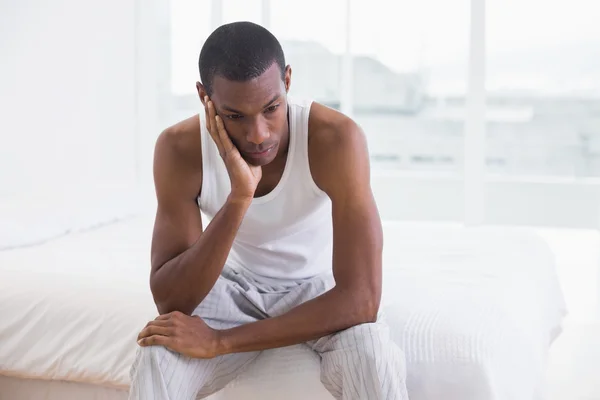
x=244, y=177
x=181, y=333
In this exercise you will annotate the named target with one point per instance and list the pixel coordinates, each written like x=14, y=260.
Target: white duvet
x=475, y=311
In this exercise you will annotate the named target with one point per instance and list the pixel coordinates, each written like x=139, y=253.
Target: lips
x=258, y=154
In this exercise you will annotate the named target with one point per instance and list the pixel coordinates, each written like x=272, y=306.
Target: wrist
x=239, y=200
x=223, y=343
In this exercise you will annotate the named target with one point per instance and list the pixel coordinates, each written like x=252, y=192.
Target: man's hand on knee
x=183, y=334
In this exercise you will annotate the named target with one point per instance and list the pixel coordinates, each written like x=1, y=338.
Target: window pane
x=242, y=10
x=190, y=26
x=543, y=85
x=409, y=81
x=312, y=42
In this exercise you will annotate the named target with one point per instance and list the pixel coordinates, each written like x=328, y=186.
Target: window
x=402, y=75
x=242, y=10
x=313, y=43
x=408, y=68
x=191, y=23
x=543, y=84
x=313, y=53
x=409, y=81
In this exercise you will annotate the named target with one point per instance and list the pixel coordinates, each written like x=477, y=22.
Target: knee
x=367, y=337
x=152, y=353
x=372, y=342
x=150, y=357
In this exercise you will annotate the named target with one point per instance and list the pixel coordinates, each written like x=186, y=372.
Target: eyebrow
x=226, y=108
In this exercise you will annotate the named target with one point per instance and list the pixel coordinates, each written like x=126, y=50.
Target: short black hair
x=239, y=51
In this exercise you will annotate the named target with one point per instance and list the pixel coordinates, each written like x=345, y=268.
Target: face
x=254, y=113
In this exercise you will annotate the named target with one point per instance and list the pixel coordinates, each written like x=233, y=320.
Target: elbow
x=366, y=301
x=370, y=299
x=369, y=310
x=167, y=307
x=163, y=305
x=364, y=307
x=161, y=299
x=168, y=302
x=163, y=308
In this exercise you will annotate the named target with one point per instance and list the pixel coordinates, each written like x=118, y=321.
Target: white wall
x=67, y=96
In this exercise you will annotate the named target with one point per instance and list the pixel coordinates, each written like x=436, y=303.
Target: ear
x=201, y=91
x=288, y=78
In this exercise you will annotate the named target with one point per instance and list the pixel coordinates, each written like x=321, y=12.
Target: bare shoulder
x=178, y=158
x=337, y=147
x=328, y=128
x=183, y=140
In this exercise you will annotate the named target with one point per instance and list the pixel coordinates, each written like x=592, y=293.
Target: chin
x=261, y=162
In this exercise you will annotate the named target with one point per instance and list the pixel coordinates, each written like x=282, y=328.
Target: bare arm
x=186, y=262
x=340, y=166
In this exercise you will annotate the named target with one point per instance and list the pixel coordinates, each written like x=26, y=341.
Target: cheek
x=233, y=127
x=235, y=131
x=276, y=128
x=278, y=122
x=275, y=123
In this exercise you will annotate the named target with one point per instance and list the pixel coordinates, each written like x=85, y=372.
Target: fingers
x=155, y=340
x=206, y=117
x=210, y=114
x=161, y=322
x=212, y=129
x=164, y=316
x=171, y=315
x=154, y=329
x=226, y=143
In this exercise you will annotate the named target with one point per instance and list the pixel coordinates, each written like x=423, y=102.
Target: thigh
x=280, y=303
x=160, y=372
x=368, y=336
x=227, y=305
x=362, y=362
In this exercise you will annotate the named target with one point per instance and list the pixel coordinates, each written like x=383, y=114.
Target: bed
x=474, y=309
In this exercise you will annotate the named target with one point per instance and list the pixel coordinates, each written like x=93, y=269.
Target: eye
x=234, y=116
x=272, y=108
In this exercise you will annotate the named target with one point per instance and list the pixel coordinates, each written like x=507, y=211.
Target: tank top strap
x=299, y=117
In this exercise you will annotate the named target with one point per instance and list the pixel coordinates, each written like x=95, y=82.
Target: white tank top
x=286, y=234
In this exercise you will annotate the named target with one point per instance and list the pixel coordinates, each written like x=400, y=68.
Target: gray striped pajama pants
x=357, y=363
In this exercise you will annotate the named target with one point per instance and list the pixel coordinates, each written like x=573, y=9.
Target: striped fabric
x=358, y=363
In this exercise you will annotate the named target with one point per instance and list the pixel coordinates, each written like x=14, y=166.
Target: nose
x=258, y=131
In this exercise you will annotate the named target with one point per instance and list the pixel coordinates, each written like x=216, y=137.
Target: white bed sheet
x=479, y=305
x=475, y=311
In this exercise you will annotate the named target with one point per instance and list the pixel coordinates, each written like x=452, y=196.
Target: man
x=292, y=253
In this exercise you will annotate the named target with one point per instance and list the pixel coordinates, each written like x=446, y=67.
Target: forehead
x=249, y=95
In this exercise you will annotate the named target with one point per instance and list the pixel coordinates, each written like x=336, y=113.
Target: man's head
x=243, y=71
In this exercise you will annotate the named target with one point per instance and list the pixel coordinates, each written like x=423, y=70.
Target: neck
x=284, y=146
x=278, y=164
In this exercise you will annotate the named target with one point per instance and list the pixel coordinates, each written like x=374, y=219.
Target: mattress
x=34, y=389
x=474, y=309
